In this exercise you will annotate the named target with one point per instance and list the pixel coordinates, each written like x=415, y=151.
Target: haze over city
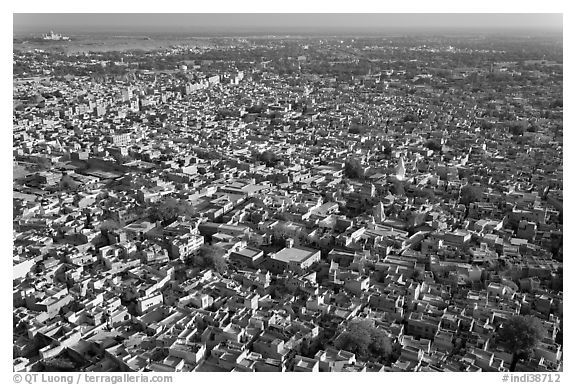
x=324, y=23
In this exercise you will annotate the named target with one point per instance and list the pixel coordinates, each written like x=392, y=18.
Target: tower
x=379, y=213
x=400, y=170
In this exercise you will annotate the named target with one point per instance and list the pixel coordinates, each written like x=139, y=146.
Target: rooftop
x=294, y=254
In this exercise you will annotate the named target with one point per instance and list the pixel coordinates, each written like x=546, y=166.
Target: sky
x=24, y=23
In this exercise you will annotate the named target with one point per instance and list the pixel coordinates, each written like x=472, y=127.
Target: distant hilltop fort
x=54, y=36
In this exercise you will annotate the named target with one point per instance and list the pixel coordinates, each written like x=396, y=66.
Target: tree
x=556, y=103
x=268, y=157
x=355, y=340
x=470, y=194
x=356, y=129
x=519, y=335
x=109, y=225
x=425, y=193
x=533, y=127
x=67, y=183
x=353, y=168
x=365, y=340
x=433, y=145
x=518, y=128
x=409, y=118
x=58, y=364
x=210, y=256
x=396, y=187
x=486, y=125
x=43, y=163
x=381, y=344
x=164, y=211
x=387, y=149
x=169, y=209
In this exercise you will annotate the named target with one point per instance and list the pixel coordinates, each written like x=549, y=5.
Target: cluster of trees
x=397, y=187
x=225, y=113
x=58, y=364
x=357, y=129
x=268, y=157
x=387, y=149
x=486, y=125
x=110, y=225
x=212, y=257
x=22, y=68
x=41, y=162
x=410, y=117
x=520, y=127
x=519, y=335
x=337, y=69
x=433, y=145
x=206, y=154
x=69, y=184
x=353, y=169
x=368, y=342
x=470, y=194
x=557, y=103
x=167, y=210
x=426, y=193
x=517, y=128
x=256, y=109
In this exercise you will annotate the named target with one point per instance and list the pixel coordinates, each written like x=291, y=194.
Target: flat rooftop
x=248, y=252
x=294, y=254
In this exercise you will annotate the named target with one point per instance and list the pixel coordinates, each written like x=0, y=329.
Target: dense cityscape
x=289, y=203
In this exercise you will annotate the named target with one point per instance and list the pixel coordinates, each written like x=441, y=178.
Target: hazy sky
x=280, y=22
